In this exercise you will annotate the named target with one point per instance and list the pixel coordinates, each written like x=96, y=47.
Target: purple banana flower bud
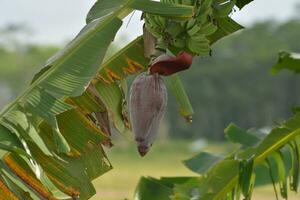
x=148, y=101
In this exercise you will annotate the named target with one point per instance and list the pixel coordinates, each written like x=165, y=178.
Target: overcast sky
x=56, y=21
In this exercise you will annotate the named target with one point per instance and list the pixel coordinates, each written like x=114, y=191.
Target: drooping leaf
x=63, y=77
x=17, y=123
x=112, y=97
x=272, y=174
x=39, y=101
x=236, y=135
x=187, y=190
x=246, y=177
x=6, y=193
x=17, y=184
x=220, y=175
x=289, y=61
x=294, y=172
x=10, y=142
x=202, y=162
x=226, y=26
x=281, y=171
x=222, y=180
x=18, y=166
x=145, y=189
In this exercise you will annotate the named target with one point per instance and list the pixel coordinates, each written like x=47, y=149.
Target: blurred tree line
x=18, y=60
x=234, y=85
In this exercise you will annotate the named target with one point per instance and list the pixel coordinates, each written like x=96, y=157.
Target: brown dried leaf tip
x=167, y=65
x=148, y=101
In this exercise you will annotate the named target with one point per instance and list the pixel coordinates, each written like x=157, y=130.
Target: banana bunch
x=191, y=35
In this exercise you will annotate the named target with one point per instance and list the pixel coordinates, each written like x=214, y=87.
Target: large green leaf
x=112, y=97
x=224, y=178
x=10, y=142
x=71, y=73
x=40, y=124
x=226, y=26
x=236, y=135
x=146, y=188
x=202, y=162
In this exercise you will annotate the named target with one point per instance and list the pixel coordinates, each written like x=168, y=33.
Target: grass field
x=164, y=159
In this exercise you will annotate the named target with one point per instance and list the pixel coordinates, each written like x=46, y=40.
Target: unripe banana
x=151, y=21
x=148, y=101
x=194, y=30
x=199, y=45
x=202, y=15
x=174, y=29
x=190, y=23
x=161, y=21
x=207, y=29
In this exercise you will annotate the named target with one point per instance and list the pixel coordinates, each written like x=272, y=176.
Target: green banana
x=190, y=23
x=199, y=45
x=194, y=30
x=190, y=35
x=161, y=21
x=202, y=16
x=174, y=29
x=205, y=5
x=207, y=29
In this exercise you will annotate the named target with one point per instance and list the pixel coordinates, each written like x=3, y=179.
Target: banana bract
x=148, y=101
x=167, y=65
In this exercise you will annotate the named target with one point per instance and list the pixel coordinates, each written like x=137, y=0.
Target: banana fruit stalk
x=147, y=106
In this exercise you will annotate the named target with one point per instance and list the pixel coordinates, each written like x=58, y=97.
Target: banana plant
x=52, y=135
x=51, y=140
x=234, y=176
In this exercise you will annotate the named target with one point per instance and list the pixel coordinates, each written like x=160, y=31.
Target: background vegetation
x=235, y=82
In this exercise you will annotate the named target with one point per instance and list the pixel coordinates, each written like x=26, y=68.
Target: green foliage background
x=236, y=85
